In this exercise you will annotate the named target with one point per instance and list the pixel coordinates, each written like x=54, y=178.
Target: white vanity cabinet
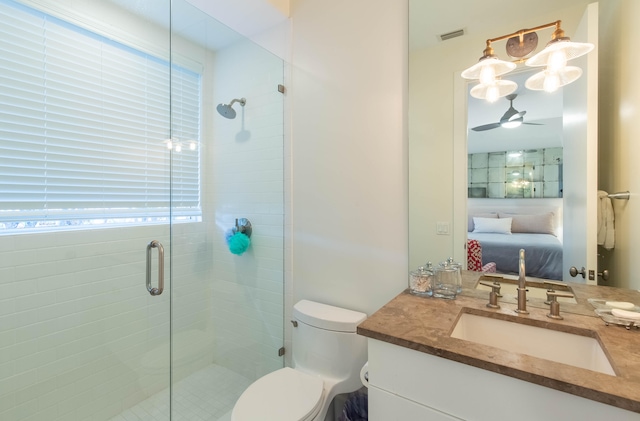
x=405, y=384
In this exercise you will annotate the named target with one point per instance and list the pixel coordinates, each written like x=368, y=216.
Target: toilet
x=327, y=357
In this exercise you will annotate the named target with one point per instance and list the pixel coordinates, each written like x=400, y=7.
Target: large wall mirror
x=441, y=116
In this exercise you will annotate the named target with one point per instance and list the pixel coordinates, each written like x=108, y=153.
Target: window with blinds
x=92, y=131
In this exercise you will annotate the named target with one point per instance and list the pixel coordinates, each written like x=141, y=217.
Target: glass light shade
x=487, y=75
x=556, y=61
x=550, y=81
x=496, y=67
x=557, y=48
x=512, y=124
x=491, y=92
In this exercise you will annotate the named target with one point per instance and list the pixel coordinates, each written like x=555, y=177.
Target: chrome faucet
x=522, y=286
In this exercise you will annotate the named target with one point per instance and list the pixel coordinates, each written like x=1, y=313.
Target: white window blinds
x=84, y=125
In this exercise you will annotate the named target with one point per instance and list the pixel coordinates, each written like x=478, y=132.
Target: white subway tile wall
x=77, y=323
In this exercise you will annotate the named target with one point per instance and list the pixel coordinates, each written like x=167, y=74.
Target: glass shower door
x=84, y=191
x=227, y=309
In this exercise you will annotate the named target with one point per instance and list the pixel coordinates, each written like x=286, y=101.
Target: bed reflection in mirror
x=503, y=230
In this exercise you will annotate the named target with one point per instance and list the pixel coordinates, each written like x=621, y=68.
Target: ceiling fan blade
x=485, y=127
x=512, y=116
x=520, y=114
x=534, y=124
x=510, y=119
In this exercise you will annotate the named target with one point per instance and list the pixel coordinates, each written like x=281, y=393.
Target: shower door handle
x=160, y=288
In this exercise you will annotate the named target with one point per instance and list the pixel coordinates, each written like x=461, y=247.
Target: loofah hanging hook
x=243, y=225
x=238, y=238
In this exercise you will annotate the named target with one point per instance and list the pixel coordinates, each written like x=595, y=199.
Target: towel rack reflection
x=622, y=195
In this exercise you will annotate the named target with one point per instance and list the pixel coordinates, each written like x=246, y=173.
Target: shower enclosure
x=119, y=181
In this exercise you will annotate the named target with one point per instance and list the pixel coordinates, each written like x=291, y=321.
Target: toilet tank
x=325, y=342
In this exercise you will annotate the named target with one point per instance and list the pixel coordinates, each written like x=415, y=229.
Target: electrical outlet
x=442, y=228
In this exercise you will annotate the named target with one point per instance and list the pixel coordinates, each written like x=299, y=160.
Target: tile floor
x=206, y=395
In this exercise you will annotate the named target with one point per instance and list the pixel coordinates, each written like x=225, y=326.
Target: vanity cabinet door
x=385, y=406
x=455, y=391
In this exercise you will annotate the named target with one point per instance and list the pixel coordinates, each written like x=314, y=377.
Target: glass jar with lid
x=421, y=281
x=447, y=280
x=458, y=267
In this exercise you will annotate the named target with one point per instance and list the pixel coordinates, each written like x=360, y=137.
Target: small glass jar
x=458, y=266
x=445, y=282
x=421, y=281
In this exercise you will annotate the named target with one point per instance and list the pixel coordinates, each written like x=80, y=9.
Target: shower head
x=227, y=111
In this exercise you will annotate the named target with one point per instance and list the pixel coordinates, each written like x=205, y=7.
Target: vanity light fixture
x=521, y=43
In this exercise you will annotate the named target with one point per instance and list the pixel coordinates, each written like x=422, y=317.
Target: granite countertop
x=425, y=325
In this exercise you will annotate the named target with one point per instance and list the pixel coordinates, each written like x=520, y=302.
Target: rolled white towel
x=606, y=229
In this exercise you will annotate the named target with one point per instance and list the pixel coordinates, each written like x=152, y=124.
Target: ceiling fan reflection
x=511, y=118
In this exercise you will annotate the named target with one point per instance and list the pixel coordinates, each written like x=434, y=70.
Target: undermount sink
x=562, y=347
x=508, y=287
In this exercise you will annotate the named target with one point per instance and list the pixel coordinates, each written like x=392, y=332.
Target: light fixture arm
x=557, y=34
x=522, y=32
x=488, y=52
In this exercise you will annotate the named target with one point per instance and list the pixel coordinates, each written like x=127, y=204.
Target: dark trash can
x=356, y=408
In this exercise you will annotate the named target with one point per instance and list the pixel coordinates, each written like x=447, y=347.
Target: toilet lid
x=284, y=395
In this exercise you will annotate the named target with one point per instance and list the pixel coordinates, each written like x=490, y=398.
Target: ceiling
x=191, y=19
x=429, y=19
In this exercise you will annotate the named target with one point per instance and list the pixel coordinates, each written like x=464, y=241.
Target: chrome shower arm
x=242, y=101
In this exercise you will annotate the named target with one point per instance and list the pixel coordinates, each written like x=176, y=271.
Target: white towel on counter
x=606, y=230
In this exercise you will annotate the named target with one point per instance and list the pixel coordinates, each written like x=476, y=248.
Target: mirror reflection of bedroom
x=515, y=182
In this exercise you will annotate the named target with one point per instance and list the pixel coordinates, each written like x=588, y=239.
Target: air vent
x=454, y=34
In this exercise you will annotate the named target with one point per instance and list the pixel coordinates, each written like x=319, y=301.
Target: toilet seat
x=284, y=395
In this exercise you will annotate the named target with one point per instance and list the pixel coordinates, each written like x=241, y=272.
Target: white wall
x=348, y=152
x=619, y=151
x=431, y=128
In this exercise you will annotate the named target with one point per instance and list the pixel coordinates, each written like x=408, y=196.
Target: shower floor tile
x=206, y=395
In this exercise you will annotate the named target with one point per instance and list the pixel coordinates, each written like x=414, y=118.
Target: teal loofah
x=239, y=243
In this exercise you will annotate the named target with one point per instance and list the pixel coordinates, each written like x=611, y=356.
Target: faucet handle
x=552, y=284
x=554, y=309
x=494, y=294
x=495, y=286
x=552, y=295
x=550, y=288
